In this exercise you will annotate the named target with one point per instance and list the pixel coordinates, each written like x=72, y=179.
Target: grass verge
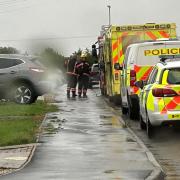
x=19, y=124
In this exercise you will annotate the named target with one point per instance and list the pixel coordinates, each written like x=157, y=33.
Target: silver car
x=22, y=78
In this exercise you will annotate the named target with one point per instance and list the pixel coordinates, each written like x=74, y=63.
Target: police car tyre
x=142, y=123
x=149, y=128
x=23, y=94
x=124, y=110
x=133, y=108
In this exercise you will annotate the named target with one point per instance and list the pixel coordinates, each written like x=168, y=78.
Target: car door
x=145, y=92
x=8, y=71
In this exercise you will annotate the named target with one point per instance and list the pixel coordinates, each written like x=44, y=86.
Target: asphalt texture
x=85, y=140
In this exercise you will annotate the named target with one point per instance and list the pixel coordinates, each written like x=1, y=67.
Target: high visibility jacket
x=82, y=68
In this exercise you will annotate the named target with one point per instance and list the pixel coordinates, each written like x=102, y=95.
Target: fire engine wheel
x=149, y=128
x=142, y=123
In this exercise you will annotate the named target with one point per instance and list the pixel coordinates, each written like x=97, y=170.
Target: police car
x=160, y=95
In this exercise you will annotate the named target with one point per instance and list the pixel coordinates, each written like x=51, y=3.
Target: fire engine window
x=127, y=40
x=174, y=76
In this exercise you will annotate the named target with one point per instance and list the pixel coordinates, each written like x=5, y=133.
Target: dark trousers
x=71, y=83
x=83, y=82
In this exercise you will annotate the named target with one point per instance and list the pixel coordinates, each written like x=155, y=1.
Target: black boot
x=68, y=94
x=84, y=95
x=74, y=94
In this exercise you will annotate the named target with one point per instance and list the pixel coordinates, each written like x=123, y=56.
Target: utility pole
x=109, y=8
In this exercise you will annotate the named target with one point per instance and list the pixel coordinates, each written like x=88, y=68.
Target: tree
x=8, y=50
x=53, y=59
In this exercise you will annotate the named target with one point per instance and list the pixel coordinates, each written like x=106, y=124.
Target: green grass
x=13, y=109
x=23, y=126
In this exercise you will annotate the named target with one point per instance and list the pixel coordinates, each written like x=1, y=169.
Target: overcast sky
x=71, y=24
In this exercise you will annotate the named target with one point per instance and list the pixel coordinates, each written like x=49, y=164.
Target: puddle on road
x=109, y=171
x=52, y=125
x=111, y=121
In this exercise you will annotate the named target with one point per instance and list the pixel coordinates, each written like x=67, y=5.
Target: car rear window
x=174, y=76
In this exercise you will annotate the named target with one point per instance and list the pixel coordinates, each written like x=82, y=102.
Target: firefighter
x=83, y=71
x=71, y=76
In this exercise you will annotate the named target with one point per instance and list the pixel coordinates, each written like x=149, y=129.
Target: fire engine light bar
x=140, y=27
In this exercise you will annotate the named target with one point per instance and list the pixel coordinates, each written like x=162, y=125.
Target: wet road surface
x=85, y=140
x=165, y=146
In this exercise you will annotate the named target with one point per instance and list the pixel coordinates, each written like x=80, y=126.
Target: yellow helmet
x=83, y=55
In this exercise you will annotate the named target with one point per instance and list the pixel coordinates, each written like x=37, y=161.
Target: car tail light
x=37, y=70
x=160, y=92
x=132, y=77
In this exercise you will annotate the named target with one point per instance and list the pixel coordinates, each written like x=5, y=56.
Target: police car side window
x=153, y=76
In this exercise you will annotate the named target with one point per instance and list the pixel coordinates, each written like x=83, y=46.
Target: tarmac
x=132, y=158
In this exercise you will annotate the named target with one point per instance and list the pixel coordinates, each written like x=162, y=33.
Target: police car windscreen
x=174, y=76
x=149, y=55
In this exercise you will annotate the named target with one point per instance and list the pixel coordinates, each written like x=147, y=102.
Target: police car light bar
x=163, y=58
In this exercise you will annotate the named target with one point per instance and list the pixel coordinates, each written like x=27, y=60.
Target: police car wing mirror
x=117, y=66
x=140, y=84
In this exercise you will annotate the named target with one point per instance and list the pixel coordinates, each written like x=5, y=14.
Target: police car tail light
x=132, y=77
x=160, y=92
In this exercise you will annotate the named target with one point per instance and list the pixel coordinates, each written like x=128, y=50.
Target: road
x=85, y=140
x=165, y=145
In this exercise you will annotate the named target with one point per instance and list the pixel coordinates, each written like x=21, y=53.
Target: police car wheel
x=149, y=128
x=133, y=110
x=124, y=110
x=142, y=123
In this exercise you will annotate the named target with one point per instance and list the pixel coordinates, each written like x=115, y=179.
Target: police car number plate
x=174, y=116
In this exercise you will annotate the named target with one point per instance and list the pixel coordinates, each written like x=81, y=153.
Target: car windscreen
x=174, y=76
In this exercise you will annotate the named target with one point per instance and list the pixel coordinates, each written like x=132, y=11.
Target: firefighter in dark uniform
x=83, y=71
x=71, y=77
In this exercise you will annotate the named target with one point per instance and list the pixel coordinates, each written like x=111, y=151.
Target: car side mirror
x=140, y=84
x=117, y=66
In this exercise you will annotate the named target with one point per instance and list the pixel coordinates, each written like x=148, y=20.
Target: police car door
x=145, y=92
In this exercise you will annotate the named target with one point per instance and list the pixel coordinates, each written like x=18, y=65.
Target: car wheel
x=149, y=128
x=133, y=108
x=23, y=94
x=142, y=123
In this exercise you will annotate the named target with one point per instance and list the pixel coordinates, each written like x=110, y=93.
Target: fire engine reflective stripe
x=121, y=55
x=151, y=35
x=164, y=34
x=115, y=45
x=115, y=51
